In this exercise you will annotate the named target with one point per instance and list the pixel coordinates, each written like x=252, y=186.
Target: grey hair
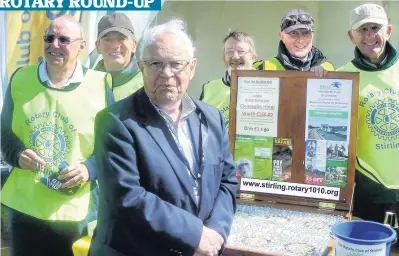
x=241, y=37
x=175, y=27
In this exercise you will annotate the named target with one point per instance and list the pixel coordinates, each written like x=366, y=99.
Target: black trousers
x=31, y=236
x=372, y=201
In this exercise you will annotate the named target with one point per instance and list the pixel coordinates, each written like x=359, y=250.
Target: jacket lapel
x=203, y=211
x=195, y=129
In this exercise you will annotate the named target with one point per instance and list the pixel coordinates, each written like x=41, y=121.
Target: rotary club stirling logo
x=383, y=119
x=50, y=142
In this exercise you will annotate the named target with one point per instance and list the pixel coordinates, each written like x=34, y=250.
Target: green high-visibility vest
x=217, y=94
x=59, y=126
x=378, y=128
x=124, y=90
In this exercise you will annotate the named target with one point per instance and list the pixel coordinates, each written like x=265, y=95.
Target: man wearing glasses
x=377, y=171
x=166, y=175
x=239, y=54
x=47, y=133
x=117, y=44
x=296, y=50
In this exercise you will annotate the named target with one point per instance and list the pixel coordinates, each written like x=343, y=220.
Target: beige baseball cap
x=368, y=13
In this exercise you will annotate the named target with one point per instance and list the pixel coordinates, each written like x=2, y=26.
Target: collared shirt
x=181, y=135
x=77, y=76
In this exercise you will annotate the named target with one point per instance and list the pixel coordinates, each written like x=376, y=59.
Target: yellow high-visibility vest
x=59, y=126
x=378, y=128
x=274, y=64
x=217, y=94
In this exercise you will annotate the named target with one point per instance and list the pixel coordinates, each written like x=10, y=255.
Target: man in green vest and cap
x=239, y=54
x=295, y=49
x=377, y=158
x=116, y=42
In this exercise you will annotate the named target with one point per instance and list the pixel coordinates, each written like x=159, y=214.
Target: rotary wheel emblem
x=383, y=119
x=50, y=142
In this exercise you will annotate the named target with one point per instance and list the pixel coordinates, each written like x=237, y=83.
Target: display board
x=293, y=136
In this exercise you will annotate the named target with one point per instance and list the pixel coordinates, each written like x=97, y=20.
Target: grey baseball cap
x=118, y=22
x=368, y=13
x=297, y=19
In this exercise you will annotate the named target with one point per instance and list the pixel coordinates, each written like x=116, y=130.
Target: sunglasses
x=295, y=19
x=63, y=40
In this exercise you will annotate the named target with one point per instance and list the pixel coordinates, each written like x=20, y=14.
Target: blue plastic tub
x=363, y=238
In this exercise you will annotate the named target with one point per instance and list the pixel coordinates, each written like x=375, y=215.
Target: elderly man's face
x=371, y=39
x=298, y=42
x=116, y=50
x=167, y=69
x=66, y=45
x=238, y=55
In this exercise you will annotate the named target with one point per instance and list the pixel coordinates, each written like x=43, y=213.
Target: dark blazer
x=147, y=203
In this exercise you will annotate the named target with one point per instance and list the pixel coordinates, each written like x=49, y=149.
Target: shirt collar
x=188, y=107
x=77, y=76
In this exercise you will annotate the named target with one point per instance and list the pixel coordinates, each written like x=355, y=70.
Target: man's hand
x=75, y=174
x=210, y=242
x=319, y=71
x=31, y=161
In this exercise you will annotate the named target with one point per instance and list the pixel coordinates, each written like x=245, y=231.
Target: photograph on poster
x=311, y=148
x=244, y=168
x=335, y=176
x=334, y=129
x=311, y=165
x=337, y=150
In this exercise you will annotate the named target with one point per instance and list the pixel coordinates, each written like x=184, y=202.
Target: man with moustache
x=116, y=42
x=377, y=172
x=166, y=175
x=296, y=50
x=47, y=136
x=239, y=54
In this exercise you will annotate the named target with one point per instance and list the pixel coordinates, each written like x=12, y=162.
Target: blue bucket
x=363, y=238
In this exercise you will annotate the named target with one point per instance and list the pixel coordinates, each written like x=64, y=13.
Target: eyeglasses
x=158, y=66
x=295, y=19
x=63, y=40
x=240, y=53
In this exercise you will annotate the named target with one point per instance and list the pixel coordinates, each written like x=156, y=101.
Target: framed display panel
x=313, y=118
